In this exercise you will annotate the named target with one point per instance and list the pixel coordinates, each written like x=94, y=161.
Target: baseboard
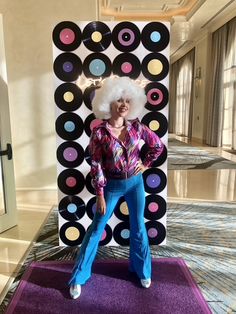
x=198, y=140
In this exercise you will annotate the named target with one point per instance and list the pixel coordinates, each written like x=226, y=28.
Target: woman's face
x=120, y=107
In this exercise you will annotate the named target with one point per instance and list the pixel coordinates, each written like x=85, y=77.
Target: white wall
x=28, y=25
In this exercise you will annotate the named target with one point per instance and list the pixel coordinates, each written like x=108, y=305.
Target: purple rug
x=112, y=289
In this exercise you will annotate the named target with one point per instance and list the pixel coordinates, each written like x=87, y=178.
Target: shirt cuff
x=99, y=191
x=147, y=163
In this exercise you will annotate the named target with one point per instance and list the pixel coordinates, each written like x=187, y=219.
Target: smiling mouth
x=123, y=109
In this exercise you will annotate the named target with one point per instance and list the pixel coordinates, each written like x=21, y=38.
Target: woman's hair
x=113, y=89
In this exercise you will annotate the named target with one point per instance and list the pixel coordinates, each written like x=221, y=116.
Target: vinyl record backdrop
x=85, y=53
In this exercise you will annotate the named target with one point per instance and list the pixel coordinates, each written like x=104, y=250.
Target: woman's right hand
x=101, y=205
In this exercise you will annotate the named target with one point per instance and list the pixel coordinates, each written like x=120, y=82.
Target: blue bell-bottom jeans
x=139, y=258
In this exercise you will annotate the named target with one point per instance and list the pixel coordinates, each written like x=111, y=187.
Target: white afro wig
x=113, y=89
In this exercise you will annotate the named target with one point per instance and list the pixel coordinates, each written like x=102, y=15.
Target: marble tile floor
x=16, y=242
x=183, y=185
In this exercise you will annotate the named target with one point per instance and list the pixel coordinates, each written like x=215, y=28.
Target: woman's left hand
x=140, y=168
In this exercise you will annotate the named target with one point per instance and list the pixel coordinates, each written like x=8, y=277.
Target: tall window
x=229, y=90
x=183, y=97
x=221, y=129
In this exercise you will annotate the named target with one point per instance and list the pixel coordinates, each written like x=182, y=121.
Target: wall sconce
x=197, y=79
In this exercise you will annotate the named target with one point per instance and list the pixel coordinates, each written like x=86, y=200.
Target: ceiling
x=189, y=19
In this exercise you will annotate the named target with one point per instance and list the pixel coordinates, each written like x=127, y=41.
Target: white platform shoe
x=146, y=283
x=75, y=291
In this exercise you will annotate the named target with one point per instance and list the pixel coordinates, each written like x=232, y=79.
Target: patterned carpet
x=181, y=157
x=201, y=233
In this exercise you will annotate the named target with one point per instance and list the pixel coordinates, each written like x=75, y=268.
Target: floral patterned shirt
x=110, y=155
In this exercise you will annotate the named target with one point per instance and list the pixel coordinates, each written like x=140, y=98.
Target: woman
x=116, y=171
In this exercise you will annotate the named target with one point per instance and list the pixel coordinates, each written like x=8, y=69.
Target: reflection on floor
x=218, y=185
x=203, y=184
x=183, y=186
x=15, y=242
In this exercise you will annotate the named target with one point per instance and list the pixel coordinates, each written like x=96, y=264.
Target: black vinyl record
x=96, y=36
x=155, y=36
x=156, y=232
x=121, y=210
x=68, y=97
x=126, y=64
x=159, y=161
x=126, y=36
x=106, y=236
x=67, y=67
x=156, y=122
x=71, y=181
x=67, y=36
x=69, y=126
x=155, y=67
x=72, y=207
x=89, y=185
x=121, y=233
x=97, y=65
x=87, y=156
x=155, y=207
x=90, y=122
x=154, y=180
x=70, y=154
x=157, y=96
x=75, y=241
x=89, y=94
x=91, y=207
